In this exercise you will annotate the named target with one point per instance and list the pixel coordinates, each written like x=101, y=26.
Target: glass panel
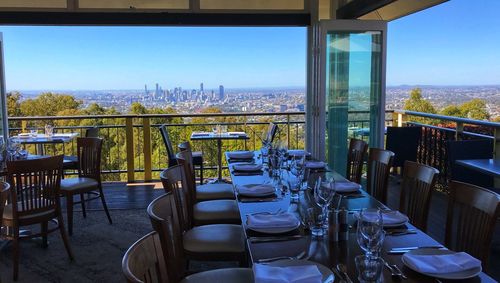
x=137, y=4
x=353, y=62
x=33, y=3
x=253, y=4
x=3, y=108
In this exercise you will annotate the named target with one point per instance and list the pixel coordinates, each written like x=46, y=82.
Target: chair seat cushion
x=7, y=213
x=214, y=191
x=77, y=184
x=214, y=238
x=223, y=275
x=197, y=158
x=216, y=210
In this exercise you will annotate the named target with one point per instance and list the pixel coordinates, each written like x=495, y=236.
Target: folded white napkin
x=264, y=273
x=271, y=220
x=298, y=152
x=200, y=134
x=237, y=133
x=256, y=189
x=439, y=264
x=247, y=167
x=63, y=135
x=393, y=217
x=315, y=164
x=240, y=154
x=344, y=186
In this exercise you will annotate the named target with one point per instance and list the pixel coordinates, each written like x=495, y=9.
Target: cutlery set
x=403, y=250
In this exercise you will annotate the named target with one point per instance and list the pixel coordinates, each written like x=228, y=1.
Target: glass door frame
x=317, y=74
x=3, y=94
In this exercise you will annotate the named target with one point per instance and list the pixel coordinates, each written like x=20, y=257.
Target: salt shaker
x=343, y=225
x=333, y=226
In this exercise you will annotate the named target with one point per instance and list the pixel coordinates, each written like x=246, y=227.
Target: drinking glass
x=372, y=247
x=369, y=268
x=370, y=230
x=33, y=132
x=323, y=196
x=49, y=130
x=294, y=186
x=12, y=148
x=315, y=220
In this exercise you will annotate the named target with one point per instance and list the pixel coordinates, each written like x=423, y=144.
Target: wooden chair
x=356, y=156
x=205, y=192
x=173, y=213
x=35, y=191
x=417, y=184
x=4, y=195
x=471, y=218
x=172, y=160
x=71, y=162
x=207, y=211
x=197, y=159
x=379, y=168
x=88, y=180
x=271, y=132
x=144, y=263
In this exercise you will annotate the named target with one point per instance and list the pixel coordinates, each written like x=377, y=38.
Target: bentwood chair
x=471, y=218
x=207, y=191
x=356, y=156
x=208, y=211
x=71, y=162
x=205, y=242
x=379, y=168
x=172, y=160
x=88, y=180
x=417, y=185
x=144, y=262
x=35, y=193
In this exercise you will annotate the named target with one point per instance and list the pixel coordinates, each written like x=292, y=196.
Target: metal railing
x=437, y=130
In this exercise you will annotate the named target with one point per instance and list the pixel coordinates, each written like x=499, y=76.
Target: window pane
x=138, y=4
x=253, y=4
x=33, y=3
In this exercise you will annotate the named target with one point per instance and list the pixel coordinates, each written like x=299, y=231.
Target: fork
x=399, y=271
x=271, y=259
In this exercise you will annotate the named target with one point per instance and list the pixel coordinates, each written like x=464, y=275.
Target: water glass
x=369, y=268
x=49, y=130
x=294, y=186
x=315, y=220
x=33, y=132
x=372, y=247
x=12, y=148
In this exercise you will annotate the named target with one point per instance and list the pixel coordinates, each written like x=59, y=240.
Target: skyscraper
x=221, y=92
x=201, y=87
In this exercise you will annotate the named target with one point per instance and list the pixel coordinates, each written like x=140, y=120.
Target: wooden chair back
x=92, y=132
x=271, y=132
x=35, y=185
x=164, y=218
x=356, y=156
x=470, y=223
x=417, y=184
x=185, y=158
x=89, y=157
x=172, y=161
x=379, y=166
x=174, y=182
x=144, y=261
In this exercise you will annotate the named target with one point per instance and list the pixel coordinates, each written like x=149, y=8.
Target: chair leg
x=45, y=226
x=104, y=205
x=69, y=211
x=64, y=237
x=15, y=252
x=82, y=201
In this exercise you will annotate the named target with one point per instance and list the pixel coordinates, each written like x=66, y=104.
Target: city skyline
x=451, y=44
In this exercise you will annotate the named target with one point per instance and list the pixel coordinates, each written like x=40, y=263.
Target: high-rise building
x=221, y=92
x=201, y=87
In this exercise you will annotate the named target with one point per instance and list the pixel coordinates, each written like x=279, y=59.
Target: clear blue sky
x=456, y=43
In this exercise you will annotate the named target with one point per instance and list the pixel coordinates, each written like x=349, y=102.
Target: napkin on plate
x=393, y=217
x=298, y=152
x=264, y=273
x=443, y=263
x=344, y=187
x=240, y=154
x=256, y=189
x=247, y=167
x=272, y=220
x=315, y=164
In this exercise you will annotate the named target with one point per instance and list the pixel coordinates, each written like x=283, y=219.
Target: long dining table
x=322, y=250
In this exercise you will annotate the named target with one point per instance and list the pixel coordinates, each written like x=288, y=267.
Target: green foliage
x=473, y=109
x=417, y=103
x=49, y=104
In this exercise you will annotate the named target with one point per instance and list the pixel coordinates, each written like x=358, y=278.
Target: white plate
x=453, y=275
x=274, y=230
x=328, y=276
x=404, y=219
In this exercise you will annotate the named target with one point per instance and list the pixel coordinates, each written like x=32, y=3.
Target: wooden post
x=129, y=138
x=146, y=130
x=401, y=118
x=24, y=124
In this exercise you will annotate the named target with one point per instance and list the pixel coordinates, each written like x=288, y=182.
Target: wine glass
x=323, y=195
x=12, y=148
x=370, y=233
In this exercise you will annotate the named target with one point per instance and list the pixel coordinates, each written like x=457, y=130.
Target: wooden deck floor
x=139, y=195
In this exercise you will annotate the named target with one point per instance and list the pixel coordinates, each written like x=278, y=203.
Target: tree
x=14, y=104
x=417, y=103
x=452, y=110
x=49, y=104
x=473, y=109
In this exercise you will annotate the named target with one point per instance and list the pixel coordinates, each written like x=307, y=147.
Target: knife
x=274, y=239
x=405, y=250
